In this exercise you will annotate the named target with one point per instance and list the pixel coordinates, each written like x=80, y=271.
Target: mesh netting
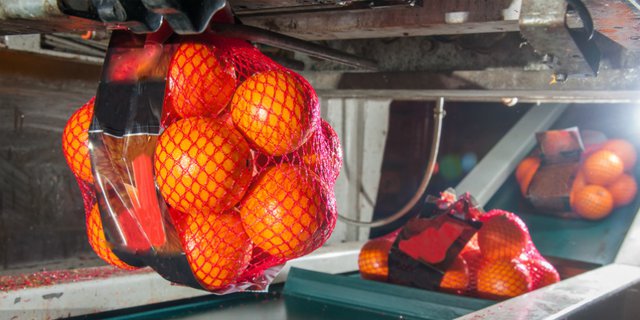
x=499, y=261
x=244, y=168
x=75, y=142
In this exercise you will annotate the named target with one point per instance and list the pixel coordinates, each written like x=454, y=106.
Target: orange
x=98, y=241
x=503, y=278
x=373, y=260
x=75, y=142
x=578, y=183
x=527, y=165
x=217, y=248
x=525, y=172
x=200, y=82
x=457, y=276
x=602, y=167
x=542, y=273
x=623, y=190
x=202, y=165
x=502, y=236
x=593, y=202
x=282, y=211
x=623, y=149
x=273, y=112
x=322, y=153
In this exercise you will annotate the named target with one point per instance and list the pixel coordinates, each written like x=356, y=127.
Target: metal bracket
x=143, y=16
x=570, y=52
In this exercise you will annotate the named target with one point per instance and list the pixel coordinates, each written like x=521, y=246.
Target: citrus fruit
x=502, y=235
x=200, y=82
x=623, y=149
x=525, y=172
x=526, y=165
x=75, y=142
x=322, y=153
x=542, y=273
x=503, y=278
x=202, y=165
x=217, y=248
x=282, y=210
x=273, y=112
x=623, y=190
x=98, y=241
x=457, y=276
x=578, y=183
x=593, y=202
x=602, y=167
x=373, y=260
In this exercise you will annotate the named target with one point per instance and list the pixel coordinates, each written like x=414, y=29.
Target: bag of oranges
x=456, y=247
x=203, y=159
x=578, y=174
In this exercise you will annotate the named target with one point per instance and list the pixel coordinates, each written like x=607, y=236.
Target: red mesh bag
x=210, y=163
x=459, y=249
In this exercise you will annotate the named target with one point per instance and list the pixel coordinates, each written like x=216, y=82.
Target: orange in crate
x=273, y=112
x=593, y=202
x=98, y=241
x=623, y=190
x=503, y=278
x=283, y=209
x=75, y=142
x=623, y=149
x=525, y=172
x=373, y=260
x=602, y=167
x=200, y=82
x=217, y=248
x=202, y=165
x=457, y=276
x=502, y=236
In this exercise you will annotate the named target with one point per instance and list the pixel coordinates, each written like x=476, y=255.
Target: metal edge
x=628, y=252
x=92, y=296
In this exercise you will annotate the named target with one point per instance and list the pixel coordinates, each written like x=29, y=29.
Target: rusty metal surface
x=571, y=53
x=432, y=18
x=618, y=20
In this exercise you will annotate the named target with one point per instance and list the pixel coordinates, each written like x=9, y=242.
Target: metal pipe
x=294, y=44
x=438, y=115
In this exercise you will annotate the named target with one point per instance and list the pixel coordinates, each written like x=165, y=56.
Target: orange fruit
x=623, y=190
x=75, y=142
x=623, y=149
x=503, y=278
x=527, y=165
x=542, y=273
x=282, y=210
x=217, y=248
x=200, y=82
x=502, y=236
x=373, y=260
x=273, y=112
x=525, y=172
x=602, y=167
x=457, y=276
x=202, y=165
x=322, y=153
x=98, y=241
x=593, y=202
x=578, y=183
